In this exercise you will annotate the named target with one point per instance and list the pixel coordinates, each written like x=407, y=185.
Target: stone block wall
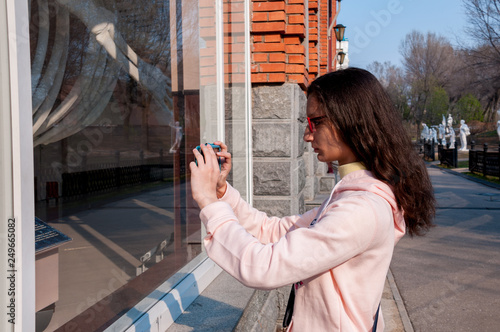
x=279, y=169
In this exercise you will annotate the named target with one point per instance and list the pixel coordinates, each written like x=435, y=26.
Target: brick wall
x=289, y=41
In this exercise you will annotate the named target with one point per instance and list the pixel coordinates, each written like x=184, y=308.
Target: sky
x=375, y=28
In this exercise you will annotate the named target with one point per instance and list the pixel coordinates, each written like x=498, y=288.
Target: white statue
x=433, y=135
x=425, y=132
x=498, y=129
x=464, y=132
x=178, y=138
x=450, y=132
x=442, y=139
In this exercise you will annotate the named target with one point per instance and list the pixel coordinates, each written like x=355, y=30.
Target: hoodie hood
x=363, y=180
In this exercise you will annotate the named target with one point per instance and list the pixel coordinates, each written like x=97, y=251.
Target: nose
x=308, y=135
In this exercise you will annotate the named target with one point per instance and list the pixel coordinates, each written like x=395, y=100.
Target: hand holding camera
x=209, y=172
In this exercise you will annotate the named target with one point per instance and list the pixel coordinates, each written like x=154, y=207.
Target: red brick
x=259, y=17
x=273, y=38
x=313, y=38
x=268, y=27
x=234, y=17
x=295, y=69
x=313, y=69
x=313, y=5
x=206, y=3
x=296, y=49
x=296, y=78
x=257, y=38
x=269, y=47
x=297, y=1
x=295, y=9
x=292, y=40
x=205, y=71
x=235, y=28
x=277, y=78
x=296, y=58
x=207, y=32
x=313, y=63
x=238, y=58
x=259, y=78
x=268, y=6
x=207, y=80
x=295, y=30
x=207, y=52
x=237, y=78
x=260, y=57
x=234, y=7
x=207, y=61
x=277, y=16
x=277, y=57
x=207, y=12
x=313, y=54
x=272, y=67
x=296, y=19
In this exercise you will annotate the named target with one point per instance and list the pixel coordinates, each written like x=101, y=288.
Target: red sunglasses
x=313, y=122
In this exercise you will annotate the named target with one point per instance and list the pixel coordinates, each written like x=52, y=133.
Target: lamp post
x=339, y=35
x=331, y=21
x=341, y=58
x=339, y=32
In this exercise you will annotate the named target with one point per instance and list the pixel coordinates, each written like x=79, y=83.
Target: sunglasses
x=313, y=122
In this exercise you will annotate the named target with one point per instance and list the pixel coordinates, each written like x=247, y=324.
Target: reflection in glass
x=115, y=92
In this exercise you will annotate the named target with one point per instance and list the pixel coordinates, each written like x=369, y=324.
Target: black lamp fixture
x=341, y=57
x=339, y=32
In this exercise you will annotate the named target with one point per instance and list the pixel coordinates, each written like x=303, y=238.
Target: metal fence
x=485, y=162
x=429, y=150
x=448, y=156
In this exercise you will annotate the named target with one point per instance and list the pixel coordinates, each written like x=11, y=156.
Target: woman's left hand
x=204, y=177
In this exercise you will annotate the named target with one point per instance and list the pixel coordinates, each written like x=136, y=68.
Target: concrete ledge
x=264, y=311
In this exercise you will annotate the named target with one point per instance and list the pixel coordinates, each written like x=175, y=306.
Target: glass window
x=116, y=114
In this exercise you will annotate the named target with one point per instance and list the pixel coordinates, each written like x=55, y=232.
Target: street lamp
x=339, y=32
x=340, y=58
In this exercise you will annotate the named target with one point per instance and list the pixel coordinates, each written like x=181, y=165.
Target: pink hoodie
x=342, y=259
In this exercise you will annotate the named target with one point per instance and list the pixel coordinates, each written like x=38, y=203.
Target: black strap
x=374, y=329
x=287, y=319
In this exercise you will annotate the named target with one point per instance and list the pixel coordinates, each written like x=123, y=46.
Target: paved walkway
x=449, y=280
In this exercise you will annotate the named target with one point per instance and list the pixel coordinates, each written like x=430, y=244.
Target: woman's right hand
x=224, y=169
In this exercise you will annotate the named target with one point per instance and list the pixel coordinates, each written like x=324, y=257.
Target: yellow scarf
x=351, y=167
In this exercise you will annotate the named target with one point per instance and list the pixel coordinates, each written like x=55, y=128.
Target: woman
x=337, y=256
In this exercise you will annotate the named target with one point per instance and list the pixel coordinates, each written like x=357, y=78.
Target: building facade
x=102, y=104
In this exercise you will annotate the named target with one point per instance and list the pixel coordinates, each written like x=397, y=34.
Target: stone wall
x=279, y=169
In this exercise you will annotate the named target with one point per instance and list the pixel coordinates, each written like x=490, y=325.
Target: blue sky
x=375, y=28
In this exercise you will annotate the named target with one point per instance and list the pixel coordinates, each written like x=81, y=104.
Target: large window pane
x=116, y=111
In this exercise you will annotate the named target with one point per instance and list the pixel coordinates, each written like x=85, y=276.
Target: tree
x=484, y=58
x=428, y=61
x=437, y=105
x=393, y=80
x=469, y=108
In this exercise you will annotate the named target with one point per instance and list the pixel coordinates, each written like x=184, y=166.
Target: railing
x=448, y=156
x=429, y=150
x=483, y=161
x=87, y=179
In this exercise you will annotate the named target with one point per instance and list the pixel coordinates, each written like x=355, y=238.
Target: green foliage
x=437, y=105
x=469, y=108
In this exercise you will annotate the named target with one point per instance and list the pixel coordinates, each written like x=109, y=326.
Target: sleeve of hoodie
x=346, y=229
x=265, y=229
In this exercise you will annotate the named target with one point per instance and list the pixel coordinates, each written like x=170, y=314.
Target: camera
x=216, y=149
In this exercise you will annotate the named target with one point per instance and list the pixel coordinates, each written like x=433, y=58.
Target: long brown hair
x=366, y=120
